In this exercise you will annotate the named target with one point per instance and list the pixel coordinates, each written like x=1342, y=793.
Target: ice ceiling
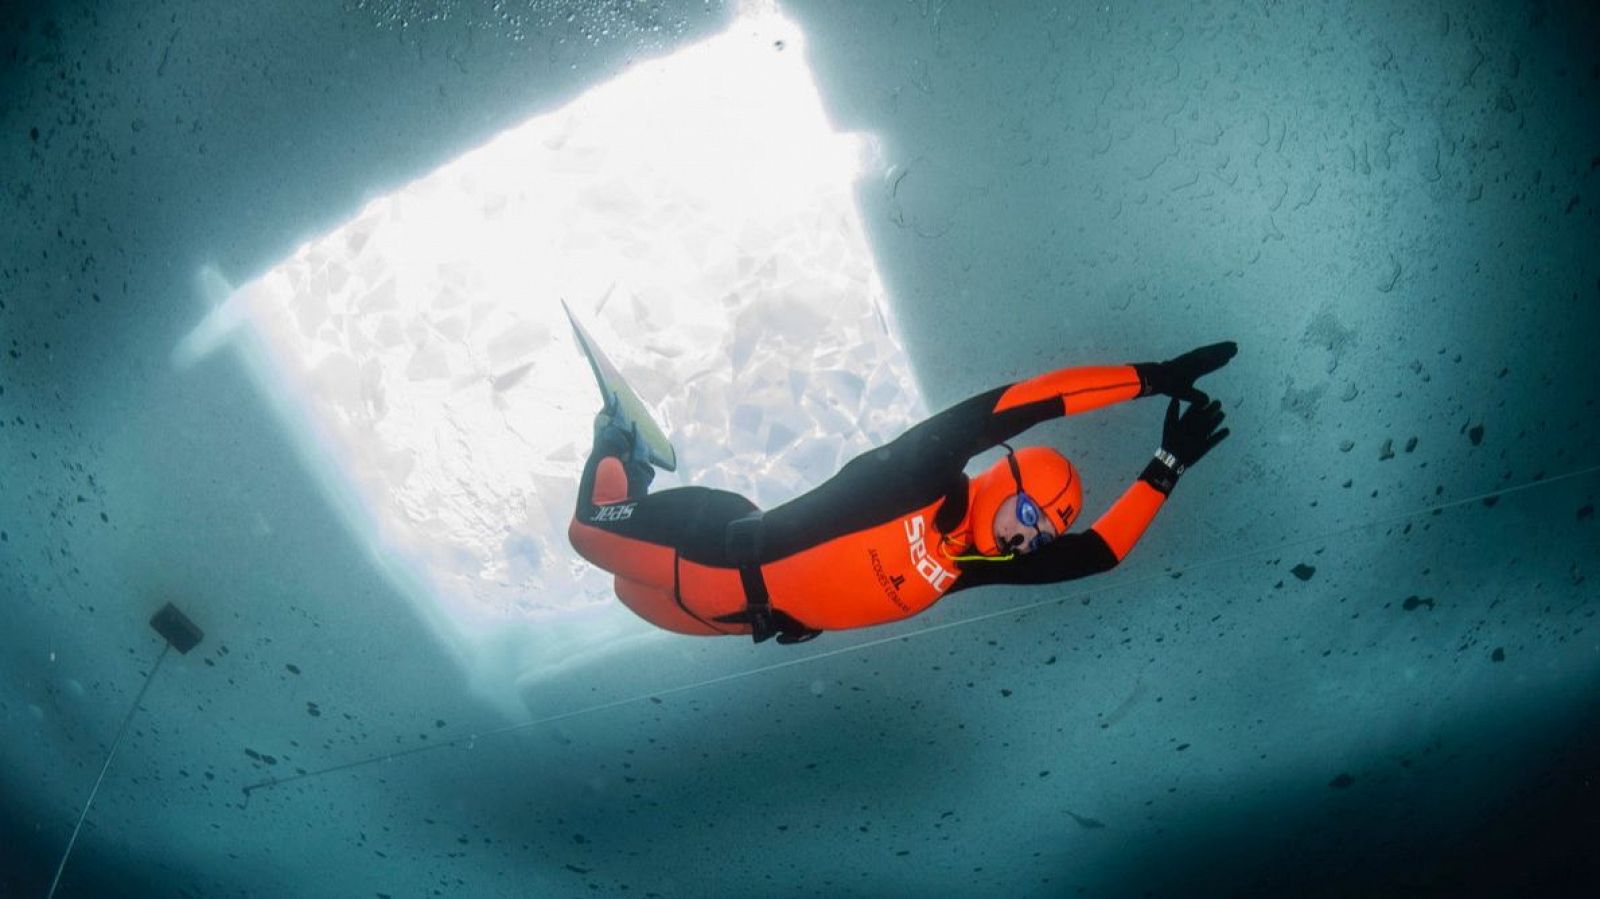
x=1357, y=653
x=698, y=210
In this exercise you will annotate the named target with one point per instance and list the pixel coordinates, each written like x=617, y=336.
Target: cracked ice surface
x=704, y=228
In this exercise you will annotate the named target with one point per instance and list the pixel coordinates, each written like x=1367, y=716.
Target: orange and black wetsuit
x=876, y=543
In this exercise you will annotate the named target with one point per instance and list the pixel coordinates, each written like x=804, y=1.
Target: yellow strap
x=944, y=547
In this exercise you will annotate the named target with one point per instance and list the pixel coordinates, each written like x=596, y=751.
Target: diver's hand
x=1190, y=436
x=1176, y=377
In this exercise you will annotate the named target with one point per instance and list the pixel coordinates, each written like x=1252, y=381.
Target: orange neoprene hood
x=1047, y=476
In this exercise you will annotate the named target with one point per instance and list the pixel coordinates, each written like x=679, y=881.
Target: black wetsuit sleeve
x=1067, y=558
x=916, y=468
x=971, y=426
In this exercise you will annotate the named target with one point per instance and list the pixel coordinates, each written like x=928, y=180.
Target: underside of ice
x=714, y=250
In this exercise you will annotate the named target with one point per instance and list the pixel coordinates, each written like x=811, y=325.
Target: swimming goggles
x=1029, y=513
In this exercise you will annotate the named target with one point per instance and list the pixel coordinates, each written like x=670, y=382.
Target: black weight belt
x=743, y=544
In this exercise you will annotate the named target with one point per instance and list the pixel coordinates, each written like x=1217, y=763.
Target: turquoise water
x=1356, y=654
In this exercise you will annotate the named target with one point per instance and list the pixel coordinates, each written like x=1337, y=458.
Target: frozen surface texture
x=703, y=224
x=1356, y=654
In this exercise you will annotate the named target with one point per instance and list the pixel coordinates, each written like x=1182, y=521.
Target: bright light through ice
x=697, y=212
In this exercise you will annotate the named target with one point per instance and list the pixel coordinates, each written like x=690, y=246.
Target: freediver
x=899, y=526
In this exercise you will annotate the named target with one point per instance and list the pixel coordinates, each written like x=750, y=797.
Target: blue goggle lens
x=1029, y=514
x=1027, y=511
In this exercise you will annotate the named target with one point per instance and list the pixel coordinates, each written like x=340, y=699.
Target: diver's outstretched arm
x=1183, y=441
x=1109, y=540
x=986, y=420
x=1092, y=387
x=1100, y=548
x=952, y=437
x=1075, y=390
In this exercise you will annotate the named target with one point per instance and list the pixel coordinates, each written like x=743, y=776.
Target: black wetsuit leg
x=692, y=520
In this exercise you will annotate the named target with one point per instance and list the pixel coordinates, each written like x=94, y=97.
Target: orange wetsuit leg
x=646, y=539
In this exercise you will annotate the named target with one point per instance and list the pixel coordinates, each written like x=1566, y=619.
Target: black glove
x=1176, y=377
x=1184, y=441
x=1190, y=437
